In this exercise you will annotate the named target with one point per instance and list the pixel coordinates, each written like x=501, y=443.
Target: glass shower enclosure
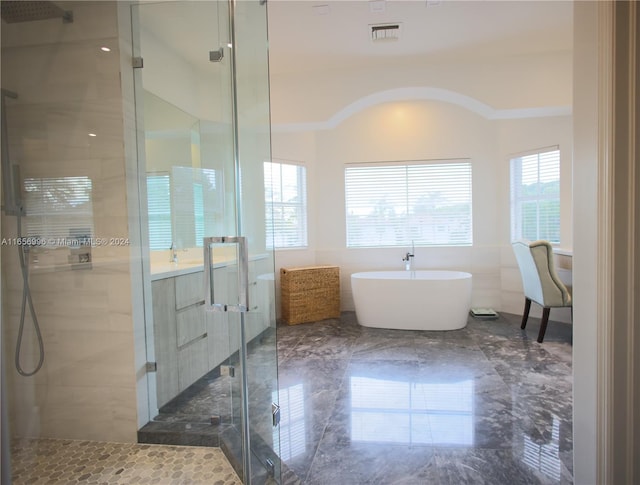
x=202, y=103
x=133, y=132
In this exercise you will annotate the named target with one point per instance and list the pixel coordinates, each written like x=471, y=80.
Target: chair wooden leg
x=543, y=323
x=525, y=315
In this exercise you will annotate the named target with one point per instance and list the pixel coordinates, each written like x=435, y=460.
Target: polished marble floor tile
x=362, y=463
x=531, y=463
x=483, y=404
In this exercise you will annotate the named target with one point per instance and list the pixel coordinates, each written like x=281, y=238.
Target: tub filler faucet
x=408, y=258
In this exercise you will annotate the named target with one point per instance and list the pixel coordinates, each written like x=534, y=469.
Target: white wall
x=535, y=81
x=174, y=78
x=586, y=206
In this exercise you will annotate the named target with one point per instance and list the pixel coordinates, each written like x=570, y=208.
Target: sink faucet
x=174, y=254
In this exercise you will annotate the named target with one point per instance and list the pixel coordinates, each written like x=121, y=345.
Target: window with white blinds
x=59, y=209
x=159, y=208
x=285, y=187
x=535, y=195
x=394, y=204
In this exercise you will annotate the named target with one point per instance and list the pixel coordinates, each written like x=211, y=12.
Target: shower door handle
x=243, y=274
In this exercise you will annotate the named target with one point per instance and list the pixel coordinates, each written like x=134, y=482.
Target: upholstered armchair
x=540, y=280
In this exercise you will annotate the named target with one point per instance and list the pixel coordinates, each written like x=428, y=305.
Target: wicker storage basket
x=310, y=294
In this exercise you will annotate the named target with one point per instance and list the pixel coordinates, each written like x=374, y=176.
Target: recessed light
x=92, y=134
x=104, y=48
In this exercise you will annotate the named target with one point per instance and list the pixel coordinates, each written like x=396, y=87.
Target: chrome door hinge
x=275, y=414
x=137, y=63
x=271, y=468
x=216, y=56
x=151, y=367
x=227, y=370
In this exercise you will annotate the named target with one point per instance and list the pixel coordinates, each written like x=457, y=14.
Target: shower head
x=26, y=11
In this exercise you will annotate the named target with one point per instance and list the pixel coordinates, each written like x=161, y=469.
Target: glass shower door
x=250, y=84
x=202, y=96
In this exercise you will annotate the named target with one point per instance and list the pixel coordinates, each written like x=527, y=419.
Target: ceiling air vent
x=385, y=32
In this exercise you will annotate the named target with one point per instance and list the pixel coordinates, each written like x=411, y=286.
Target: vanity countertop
x=169, y=270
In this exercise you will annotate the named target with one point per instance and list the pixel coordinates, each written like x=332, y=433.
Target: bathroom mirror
x=185, y=190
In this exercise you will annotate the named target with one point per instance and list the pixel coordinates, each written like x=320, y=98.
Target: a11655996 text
x=30, y=241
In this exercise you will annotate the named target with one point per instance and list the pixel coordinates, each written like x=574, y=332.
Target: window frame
x=517, y=199
x=418, y=183
x=300, y=207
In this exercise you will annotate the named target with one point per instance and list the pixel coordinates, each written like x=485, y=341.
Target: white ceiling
x=450, y=30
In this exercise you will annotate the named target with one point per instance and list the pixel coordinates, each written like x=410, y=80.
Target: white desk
x=563, y=259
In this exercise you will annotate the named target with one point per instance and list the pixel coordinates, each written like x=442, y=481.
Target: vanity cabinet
x=180, y=333
x=165, y=339
x=191, y=330
x=189, y=341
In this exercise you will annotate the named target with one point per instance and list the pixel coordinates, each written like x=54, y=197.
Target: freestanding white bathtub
x=412, y=300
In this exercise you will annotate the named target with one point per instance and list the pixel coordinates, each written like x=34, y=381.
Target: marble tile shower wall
x=67, y=88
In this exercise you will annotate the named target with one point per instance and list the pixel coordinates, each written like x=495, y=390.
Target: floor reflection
x=391, y=411
x=292, y=433
x=545, y=457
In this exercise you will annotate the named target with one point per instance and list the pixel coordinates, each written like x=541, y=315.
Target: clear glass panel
x=63, y=136
x=216, y=374
x=253, y=149
x=69, y=143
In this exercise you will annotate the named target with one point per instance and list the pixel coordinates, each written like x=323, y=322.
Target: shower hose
x=26, y=300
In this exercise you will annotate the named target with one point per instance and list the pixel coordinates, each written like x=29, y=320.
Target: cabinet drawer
x=192, y=363
x=189, y=289
x=190, y=324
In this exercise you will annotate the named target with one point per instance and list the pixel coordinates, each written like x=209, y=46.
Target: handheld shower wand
x=12, y=206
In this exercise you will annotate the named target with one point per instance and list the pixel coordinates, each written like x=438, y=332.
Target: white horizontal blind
x=159, y=208
x=285, y=187
x=184, y=206
x=59, y=209
x=428, y=203
x=198, y=212
x=535, y=196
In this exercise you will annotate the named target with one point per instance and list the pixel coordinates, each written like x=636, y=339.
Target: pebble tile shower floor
x=50, y=461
